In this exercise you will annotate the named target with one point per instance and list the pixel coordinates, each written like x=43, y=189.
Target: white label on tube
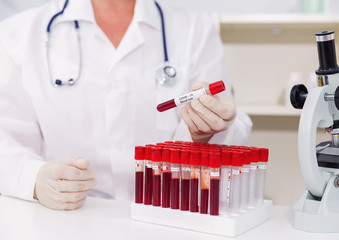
x=215, y=174
x=164, y=168
x=237, y=172
x=175, y=169
x=262, y=166
x=190, y=96
x=253, y=167
x=186, y=169
x=156, y=167
x=149, y=164
x=245, y=170
x=228, y=186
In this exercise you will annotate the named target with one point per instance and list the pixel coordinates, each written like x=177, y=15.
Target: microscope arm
x=315, y=114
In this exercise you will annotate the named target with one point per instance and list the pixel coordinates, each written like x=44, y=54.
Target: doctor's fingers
x=202, y=126
x=187, y=119
x=69, y=197
x=75, y=162
x=66, y=172
x=216, y=123
x=220, y=105
x=73, y=186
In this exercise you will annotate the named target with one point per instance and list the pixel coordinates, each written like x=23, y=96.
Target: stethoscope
x=165, y=75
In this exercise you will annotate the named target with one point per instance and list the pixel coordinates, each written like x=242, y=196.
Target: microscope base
x=322, y=216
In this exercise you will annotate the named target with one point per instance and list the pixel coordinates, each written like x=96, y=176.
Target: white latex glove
x=208, y=115
x=64, y=184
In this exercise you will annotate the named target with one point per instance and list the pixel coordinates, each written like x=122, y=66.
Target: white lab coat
x=112, y=108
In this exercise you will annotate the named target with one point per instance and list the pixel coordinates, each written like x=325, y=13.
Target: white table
x=102, y=219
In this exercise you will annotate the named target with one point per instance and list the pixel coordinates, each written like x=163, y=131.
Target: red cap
x=204, y=157
x=237, y=159
x=156, y=154
x=214, y=160
x=255, y=154
x=195, y=157
x=160, y=144
x=263, y=155
x=185, y=156
x=226, y=157
x=166, y=155
x=148, y=151
x=247, y=157
x=175, y=155
x=139, y=153
x=216, y=87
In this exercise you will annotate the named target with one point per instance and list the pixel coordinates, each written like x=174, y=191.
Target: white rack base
x=224, y=225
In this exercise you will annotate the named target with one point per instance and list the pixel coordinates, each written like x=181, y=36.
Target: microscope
x=318, y=209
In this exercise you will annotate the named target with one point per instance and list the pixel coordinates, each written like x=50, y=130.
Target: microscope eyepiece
x=326, y=53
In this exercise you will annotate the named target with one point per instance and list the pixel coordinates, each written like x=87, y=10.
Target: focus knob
x=298, y=96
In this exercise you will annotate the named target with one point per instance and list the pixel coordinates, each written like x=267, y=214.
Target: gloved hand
x=64, y=184
x=208, y=115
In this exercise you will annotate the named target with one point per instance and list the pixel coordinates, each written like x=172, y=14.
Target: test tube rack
x=224, y=225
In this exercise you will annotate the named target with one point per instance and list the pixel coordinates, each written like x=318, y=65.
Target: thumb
x=76, y=162
x=198, y=85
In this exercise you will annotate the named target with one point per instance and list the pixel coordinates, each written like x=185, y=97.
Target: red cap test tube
x=237, y=162
x=225, y=180
x=148, y=175
x=139, y=156
x=156, y=182
x=175, y=177
x=185, y=179
x=262, y=165
x=205, y=182
x=212, y=89
x=253, y=177
x=214, y=164
x=166, y=178
x=195, y=180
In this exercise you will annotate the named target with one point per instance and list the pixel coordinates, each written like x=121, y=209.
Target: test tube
x=237, y=163
x=175, y=178
x=139, y=156
x=214, y=163
x=262, y=165
x=245, y=169
x=225, y=180
x=166, y=178
x=205, y=182
x=185, y=180
x=195, y=180
x=253, y=177
x=156, y=166
x=212, y=89
x=148, y=175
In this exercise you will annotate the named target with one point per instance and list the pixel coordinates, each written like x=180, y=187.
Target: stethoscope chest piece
x=166, y=75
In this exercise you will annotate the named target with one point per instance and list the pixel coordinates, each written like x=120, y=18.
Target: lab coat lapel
x=132, y=39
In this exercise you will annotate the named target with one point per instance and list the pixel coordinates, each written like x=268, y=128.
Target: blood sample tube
x=205, y=182
x=195, y=180
x=156, y=166
x=175, y=177
x=148, y=175
x=225, y=180
x=236, y=182
x=166, y=178
x=139, y=156
x=245, y=169
x=262, y=165
x=212, y=89
x=185, y=180
x=253, y=177
x=214, y=163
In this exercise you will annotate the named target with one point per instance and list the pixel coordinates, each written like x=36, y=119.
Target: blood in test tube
x=237, y=162
x=214, y=163
x=195, y=180
x=148, y=175
x=156, y=160
x=253, y=177
x=262, y=165
x=185, y=180
x=166, y=178
x=225, y=180
x=212, y=89
x=245, y=182
x=139, y=156
x=205, y=182
x=175, y=178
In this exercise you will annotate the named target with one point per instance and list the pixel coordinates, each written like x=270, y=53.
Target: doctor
x=71, y=111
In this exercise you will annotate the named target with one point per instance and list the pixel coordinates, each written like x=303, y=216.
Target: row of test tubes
x=200, y=177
